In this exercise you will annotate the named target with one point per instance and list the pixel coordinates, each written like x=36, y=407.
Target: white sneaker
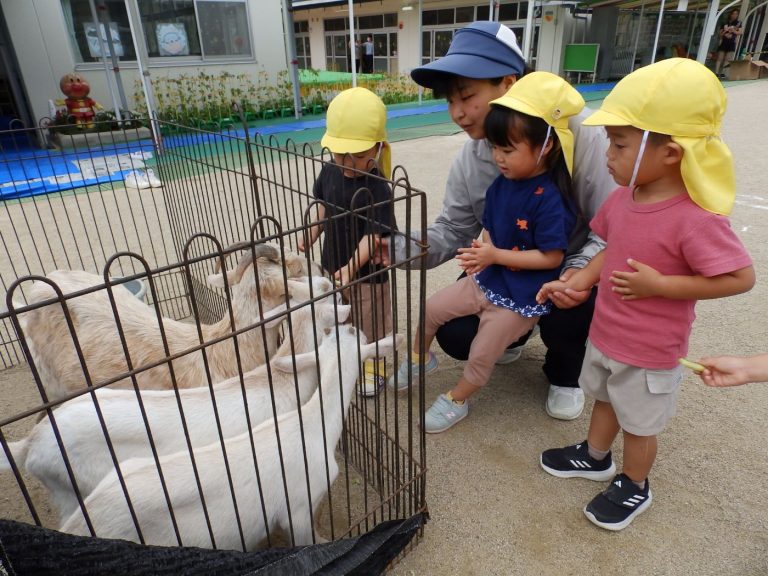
x=153, y=180
x=564, y=402
x=372, y=385
x=136, y=179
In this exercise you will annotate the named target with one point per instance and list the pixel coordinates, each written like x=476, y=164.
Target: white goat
x=53, y=351
x=83, y=438
x=109, y=513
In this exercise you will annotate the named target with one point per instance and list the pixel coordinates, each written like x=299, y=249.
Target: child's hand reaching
x=477, y=257
x=342, y=276
x=643, y=283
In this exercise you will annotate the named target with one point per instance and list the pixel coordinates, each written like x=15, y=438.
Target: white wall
x=409, y=56
x=554, y=34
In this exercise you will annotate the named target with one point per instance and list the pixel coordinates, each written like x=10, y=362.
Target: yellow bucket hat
x=549, y=97
x=682, y=99
x=355, y=122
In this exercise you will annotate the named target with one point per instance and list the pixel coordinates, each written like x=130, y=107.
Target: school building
x=41, y=40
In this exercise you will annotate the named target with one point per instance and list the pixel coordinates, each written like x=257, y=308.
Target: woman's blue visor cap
x=481, y=50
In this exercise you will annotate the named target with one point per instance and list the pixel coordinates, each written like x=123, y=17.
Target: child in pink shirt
x=669, y=244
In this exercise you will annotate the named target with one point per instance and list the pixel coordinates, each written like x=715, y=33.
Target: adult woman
x=482, y=63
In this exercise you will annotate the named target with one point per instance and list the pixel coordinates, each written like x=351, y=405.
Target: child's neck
x=659, y=190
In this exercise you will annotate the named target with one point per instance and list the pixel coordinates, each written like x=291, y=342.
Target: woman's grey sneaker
x=575, y=462
x=399, y=381
x=443, y=414
x=619, y=504
x=513, y=354
x=510, y=355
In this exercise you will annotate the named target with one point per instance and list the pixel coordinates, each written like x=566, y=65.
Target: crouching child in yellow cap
x=528, y=217
x=354, y=204
x=669, y=244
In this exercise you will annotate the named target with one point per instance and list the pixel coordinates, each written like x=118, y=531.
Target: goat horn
x=261, y=251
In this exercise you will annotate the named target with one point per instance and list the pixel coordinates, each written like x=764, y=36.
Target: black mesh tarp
x=29, y=550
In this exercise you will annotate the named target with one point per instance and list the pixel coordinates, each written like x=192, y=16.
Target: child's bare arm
x=645, y=282
x=734, y=370
x=314, y=230
x=359, y=258
x=579, y=281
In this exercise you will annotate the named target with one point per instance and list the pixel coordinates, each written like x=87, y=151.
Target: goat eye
x=327, y=331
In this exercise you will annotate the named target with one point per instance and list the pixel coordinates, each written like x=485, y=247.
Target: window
x=507, y=12
x=465, y=14
x=82, y=30
x=212, y=29
x=170, y=28
x=370, y=22
x=303, y=55
x=224, y=28
x=202, y=28
x=335, y=24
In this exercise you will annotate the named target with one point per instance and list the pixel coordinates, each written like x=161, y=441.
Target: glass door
x=302, y=52
x=335, y=52
x=380, y=52
x=385, y=52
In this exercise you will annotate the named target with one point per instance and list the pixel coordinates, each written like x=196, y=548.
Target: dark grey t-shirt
x=343, y=228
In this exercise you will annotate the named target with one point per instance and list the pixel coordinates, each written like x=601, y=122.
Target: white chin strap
x=640, y=153
x=543, y=146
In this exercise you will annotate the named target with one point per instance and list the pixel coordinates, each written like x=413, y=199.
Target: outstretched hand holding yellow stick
x=722, y=371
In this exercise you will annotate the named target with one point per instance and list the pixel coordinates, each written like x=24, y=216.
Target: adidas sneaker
x=575, y=462
x=619, y=504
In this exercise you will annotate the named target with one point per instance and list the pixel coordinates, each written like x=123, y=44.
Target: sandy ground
x=494, y=511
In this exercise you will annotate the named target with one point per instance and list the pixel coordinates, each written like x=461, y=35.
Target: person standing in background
x=368, y=55
x=729, y=33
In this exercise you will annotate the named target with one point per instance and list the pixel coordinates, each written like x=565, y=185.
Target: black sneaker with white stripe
x=619, y=504
x=575, y=462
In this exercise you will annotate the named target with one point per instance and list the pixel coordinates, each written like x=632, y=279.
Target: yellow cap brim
x=346, y=145
x=603, y=118
x=514, y=104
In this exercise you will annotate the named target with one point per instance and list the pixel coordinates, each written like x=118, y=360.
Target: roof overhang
x=309, y=4
x=652, y=5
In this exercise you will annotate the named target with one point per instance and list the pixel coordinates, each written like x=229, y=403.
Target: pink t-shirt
x=675, y=237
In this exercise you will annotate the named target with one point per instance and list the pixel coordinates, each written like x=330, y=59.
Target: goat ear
x=343, y=312
x=217, y=280
x=298, y=290
x=294, y=264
